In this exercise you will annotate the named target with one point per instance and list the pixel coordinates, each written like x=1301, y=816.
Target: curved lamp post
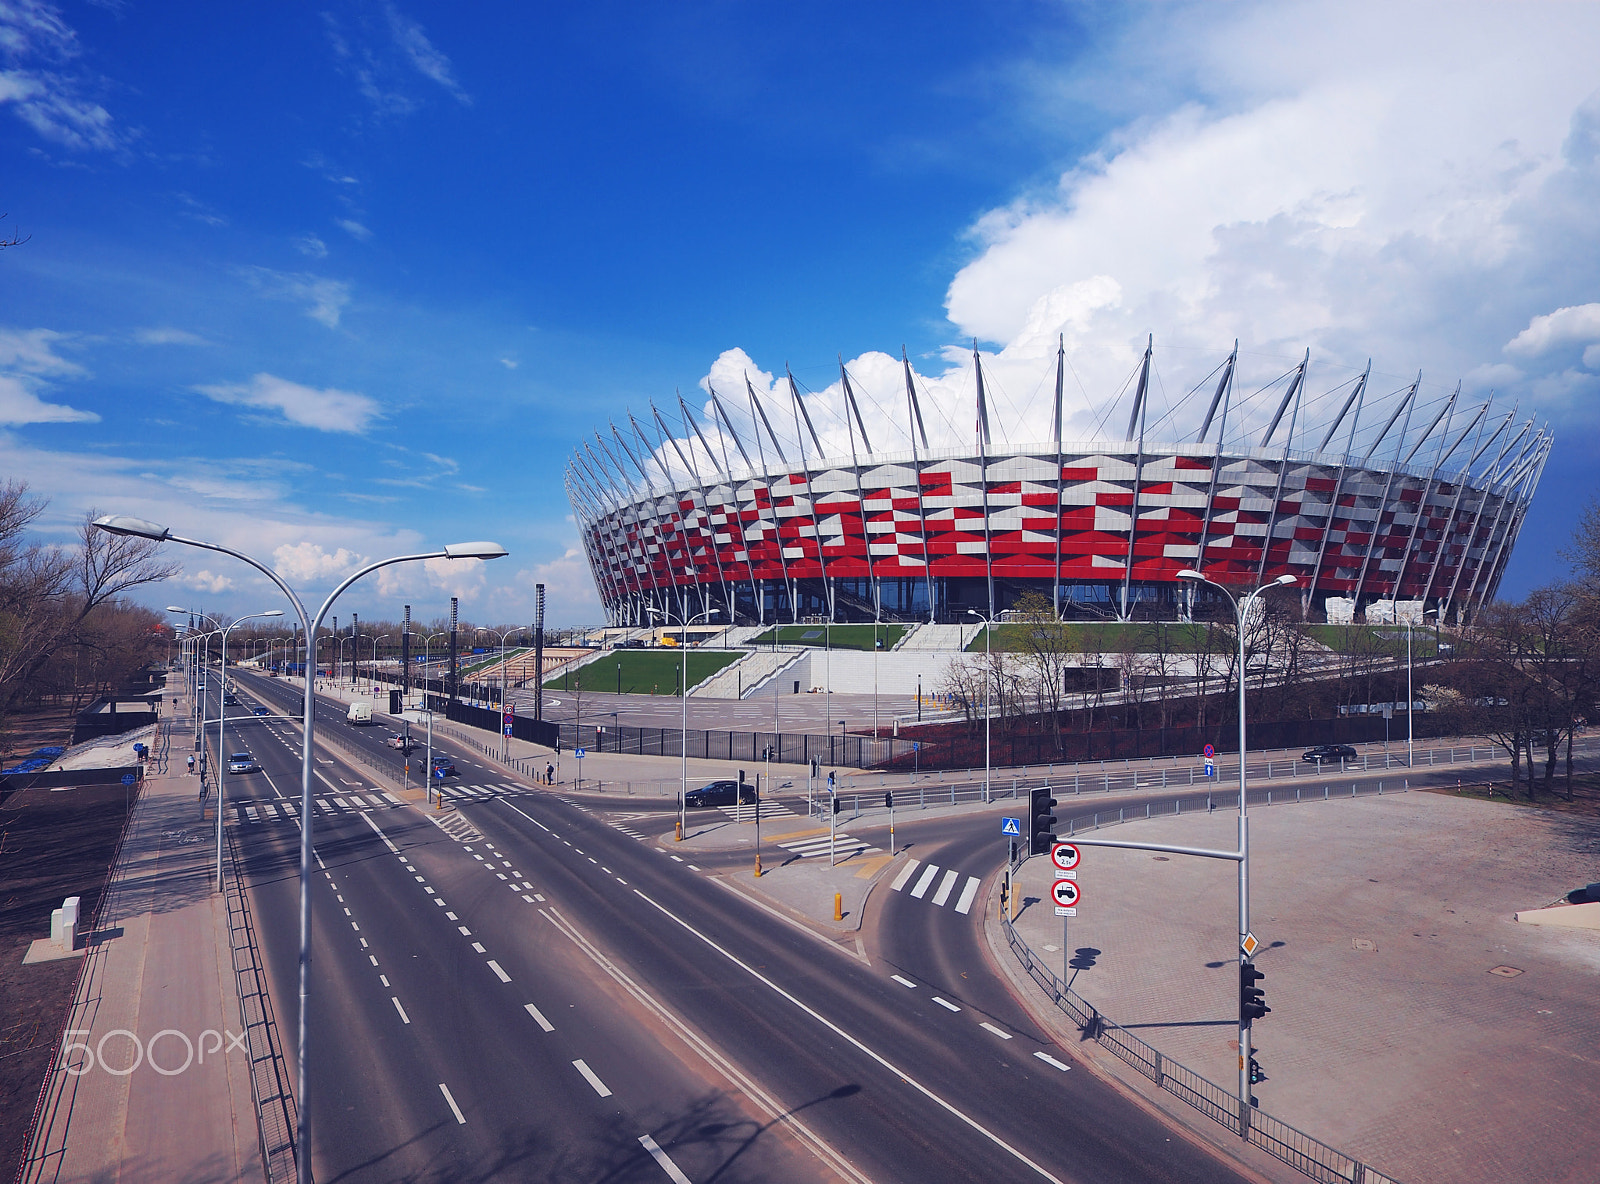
x=1241, y=610
x=140, y=528
x=988, y=676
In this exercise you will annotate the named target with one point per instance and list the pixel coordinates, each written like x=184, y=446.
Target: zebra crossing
x=254, y=812
x=925, y=877
x=836, y=846
x=745, y=812
x=478, y=793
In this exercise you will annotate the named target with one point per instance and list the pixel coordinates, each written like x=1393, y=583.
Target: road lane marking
x=478, y=946
x=502, y=975
x=454, y=1109
x=945, y=887
x=946, y=1004
x=664, y=1160
x=905, y=874
x=964, y=905
x=377, y=830
x=589, y=1076
x=928, y=872
x=1050, y=1060
x=404, y=1018
x=904, y=982
x=988, y=1027
x=859, y=1045
x=539, y=1017
x=527, y=898
x=465, y=932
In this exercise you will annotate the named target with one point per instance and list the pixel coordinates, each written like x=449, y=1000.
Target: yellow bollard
x=838, y=906
x=758, y=865
x=679, y=837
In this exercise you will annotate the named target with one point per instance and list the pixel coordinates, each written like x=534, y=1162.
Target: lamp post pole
x=222, y=722
x=1241, y=612
x=988, y=676
x=1411, y=697
x=140, y=528
x=683, y=739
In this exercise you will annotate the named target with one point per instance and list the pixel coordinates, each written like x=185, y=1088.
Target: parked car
x=242, y=762
x=262, y=711
x=443, y=766
x=1324, y=753
x=720, y=793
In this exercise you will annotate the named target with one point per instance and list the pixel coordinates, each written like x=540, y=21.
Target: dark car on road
x=720, y=793
x=1327, y=753
x=443, y=766
x=262, y=711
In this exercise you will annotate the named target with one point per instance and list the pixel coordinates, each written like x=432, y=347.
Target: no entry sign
x=1066, y=894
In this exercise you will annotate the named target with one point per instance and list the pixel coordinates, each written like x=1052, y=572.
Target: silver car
x=242, y=762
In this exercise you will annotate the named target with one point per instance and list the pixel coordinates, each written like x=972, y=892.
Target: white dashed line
x=988, y=1027
x=502, y=975
x=454, y=1109
x=904, y=982
x=945, y=1003
x=661, y=1158
x=478, y=946
x=404, y=1018
x=538, y=1017
x=589, y=1076
x=1050, y=1060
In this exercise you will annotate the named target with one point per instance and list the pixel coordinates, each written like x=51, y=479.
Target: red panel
x=1114, y=499
x=1080, y=474
x=1038, y=499
x=1160, y=487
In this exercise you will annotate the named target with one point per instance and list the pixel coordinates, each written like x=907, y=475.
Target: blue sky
x=329, y=285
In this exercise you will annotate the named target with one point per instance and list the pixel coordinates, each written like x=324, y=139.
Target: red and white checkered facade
x=1043, y=517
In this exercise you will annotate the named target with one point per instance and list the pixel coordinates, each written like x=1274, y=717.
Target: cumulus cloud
x=324, y=298
x=310, y=563
x=1575, y=325
x=19, y=405
x=208, y=581
x=28, y=358
x=327, y=409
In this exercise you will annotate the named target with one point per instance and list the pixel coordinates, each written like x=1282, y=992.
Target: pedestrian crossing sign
x=1011, y=826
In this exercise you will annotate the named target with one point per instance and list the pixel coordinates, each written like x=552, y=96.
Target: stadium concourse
x=1364, y=497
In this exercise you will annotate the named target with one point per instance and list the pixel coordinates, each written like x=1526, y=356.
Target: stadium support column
x=1478, y=446
x=1445, y=450
x=1519, y=516
x=1136, y=421
x=983, y=468
x=914, y=415
x=861, y=500
x=1295, y=388
x=1406, y=405
x=1490, y=476
x=1357, y=397
x=811, y=495
x=538, y=651
x=1061, y=484
x=1224, y=395
x=1529, y=461
x=783, y=563
x=405, y=657
x=451, y=686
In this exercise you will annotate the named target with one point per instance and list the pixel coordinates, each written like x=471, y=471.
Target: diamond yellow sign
x=1249, y=945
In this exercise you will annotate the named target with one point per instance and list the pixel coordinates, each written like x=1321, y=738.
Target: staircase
x=732, y=682
x=943, y=638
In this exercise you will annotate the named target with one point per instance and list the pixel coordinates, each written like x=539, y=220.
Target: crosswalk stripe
x=905, y=874
x=251, y=810
x=964, y=905
x=945, y=886
x=921, y=890
x=393, y=801
x=288, y=808
x=341, y=803
x=269, y=811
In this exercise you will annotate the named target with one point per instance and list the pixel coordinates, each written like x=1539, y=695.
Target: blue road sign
x=580, y=753
x=1011, y=826
x=128, y=779
x=916, y=746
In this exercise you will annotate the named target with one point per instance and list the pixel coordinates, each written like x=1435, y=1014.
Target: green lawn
x=1112, y=637
x=1379, y=639
x=484, y=661
x=839, y=637
x=645, y=672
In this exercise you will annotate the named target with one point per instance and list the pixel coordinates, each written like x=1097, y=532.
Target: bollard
x=758, y=865
x=678, y=826
x=838, y=906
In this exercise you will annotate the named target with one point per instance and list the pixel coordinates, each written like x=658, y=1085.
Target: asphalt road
x=721, y=1032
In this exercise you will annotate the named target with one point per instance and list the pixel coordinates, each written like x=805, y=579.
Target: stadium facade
x=778, y=530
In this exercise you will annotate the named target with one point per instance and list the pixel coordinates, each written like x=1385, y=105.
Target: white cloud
x=354, y=229
x=310, y=246
x=510, y=363
x=309, y=563
x=208, y=581
x=40, y=83
x=167, y=337
x=1575, y=325
x=422, y=55
x=19, y=405
x=328, y=409
x=325, y=298
x=32, y=351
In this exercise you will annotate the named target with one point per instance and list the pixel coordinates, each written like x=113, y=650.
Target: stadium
x=1383, y=505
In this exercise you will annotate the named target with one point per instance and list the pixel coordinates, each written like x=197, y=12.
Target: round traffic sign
x=1065, y=856
x=1066, y=893
x=1210, y=751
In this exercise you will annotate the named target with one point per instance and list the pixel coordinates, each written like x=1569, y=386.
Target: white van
x=360, y=713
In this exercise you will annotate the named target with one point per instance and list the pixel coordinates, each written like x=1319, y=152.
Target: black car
x=443, y=766
x=1323, y=753
x=720, y=793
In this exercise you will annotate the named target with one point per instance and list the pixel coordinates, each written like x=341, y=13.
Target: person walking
x=191, y=764
x=549, y=774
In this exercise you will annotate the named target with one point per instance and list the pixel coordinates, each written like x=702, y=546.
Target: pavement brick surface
x=1382, y=919
x=156, y=1090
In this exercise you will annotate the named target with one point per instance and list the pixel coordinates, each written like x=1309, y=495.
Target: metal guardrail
x=1301, y=1151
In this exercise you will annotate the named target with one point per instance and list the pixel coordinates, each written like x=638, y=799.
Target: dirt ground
x=53, y=844
x=36, y=727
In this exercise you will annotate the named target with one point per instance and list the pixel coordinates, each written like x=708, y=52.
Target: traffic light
x=1042, y=829
x=1257, y=1073
x=888, y=800
x=1005, y=896
x=835, y=803
x=1252, y=999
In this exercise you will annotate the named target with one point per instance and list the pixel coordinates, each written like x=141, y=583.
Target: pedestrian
x=549, y=774
x=191, y=764
x=831, y=788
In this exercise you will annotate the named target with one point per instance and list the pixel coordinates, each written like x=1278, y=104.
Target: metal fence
x=1294, y=1147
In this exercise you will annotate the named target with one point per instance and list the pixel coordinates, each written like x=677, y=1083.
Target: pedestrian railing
x=1294, y=1147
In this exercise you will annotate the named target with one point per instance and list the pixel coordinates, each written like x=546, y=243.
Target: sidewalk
x=153, y=1081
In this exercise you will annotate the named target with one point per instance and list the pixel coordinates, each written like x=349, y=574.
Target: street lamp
x=683, y=742
x=192, y=667
x=222, y=722
x=1411, y=697
x=1241, y=611
x=988, y=674
x=140, y=528
x=374, y=672
x=504, y=740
